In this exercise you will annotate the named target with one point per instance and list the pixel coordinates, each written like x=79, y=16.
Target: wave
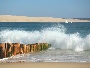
x=55, y=35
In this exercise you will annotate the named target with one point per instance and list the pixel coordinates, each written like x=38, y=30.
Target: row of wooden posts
x=10, y=49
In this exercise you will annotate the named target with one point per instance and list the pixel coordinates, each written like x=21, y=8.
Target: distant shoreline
x=10, y=18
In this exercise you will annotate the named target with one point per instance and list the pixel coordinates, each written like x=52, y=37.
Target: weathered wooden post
x=34, y=45
x=38, y=46
x=9, y=49
x=24, y=48
x=45, y=46
x=21, y=48
x=2, y=50
x=32, y=48
x=27, y=48
x=16, y=48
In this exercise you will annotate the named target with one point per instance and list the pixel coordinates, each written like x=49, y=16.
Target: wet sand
x=45, y=65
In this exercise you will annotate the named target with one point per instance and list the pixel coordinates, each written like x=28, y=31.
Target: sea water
x=70, y=42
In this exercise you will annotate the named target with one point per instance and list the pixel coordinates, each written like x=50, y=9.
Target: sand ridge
x=13, y=18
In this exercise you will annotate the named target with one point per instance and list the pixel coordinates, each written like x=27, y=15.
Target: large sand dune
x=10, y=18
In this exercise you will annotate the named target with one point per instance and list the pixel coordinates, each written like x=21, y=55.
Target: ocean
x=70, y=42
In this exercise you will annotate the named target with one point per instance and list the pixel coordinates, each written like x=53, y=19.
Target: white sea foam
x=3, y=60
x=54, y=35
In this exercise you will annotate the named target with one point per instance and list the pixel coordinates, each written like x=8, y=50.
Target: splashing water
x=55, y=35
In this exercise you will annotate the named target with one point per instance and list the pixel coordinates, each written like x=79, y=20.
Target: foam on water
x=55, y=35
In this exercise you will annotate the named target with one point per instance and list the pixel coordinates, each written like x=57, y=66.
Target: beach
x=13, y=18
x=45, y=65
x=45, y=34
x=61, y=55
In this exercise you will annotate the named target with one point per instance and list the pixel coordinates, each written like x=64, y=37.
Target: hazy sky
x=46, y=8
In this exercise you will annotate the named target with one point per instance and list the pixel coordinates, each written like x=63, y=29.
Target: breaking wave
x=55, y=35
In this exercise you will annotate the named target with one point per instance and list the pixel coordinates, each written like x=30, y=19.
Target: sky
x=46, y=8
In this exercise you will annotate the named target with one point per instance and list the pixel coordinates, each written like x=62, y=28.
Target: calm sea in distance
x=70, y=42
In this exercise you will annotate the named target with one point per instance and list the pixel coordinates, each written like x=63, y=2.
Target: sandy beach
x=45, y=65
x=10, y=18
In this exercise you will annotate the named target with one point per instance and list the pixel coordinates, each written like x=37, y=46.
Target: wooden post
x=21, y=48
x=38, y=46
x=16, y=47
x=24, y=49
x=34, y=47
x=9, y=49
x=2, y=50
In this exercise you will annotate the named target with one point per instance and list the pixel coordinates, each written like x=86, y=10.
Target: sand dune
x=10, y=18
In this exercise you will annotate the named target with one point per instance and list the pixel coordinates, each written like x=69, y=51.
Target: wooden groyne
x=12, y=49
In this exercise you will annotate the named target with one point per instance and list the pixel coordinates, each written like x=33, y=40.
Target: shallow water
x=53, y=55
